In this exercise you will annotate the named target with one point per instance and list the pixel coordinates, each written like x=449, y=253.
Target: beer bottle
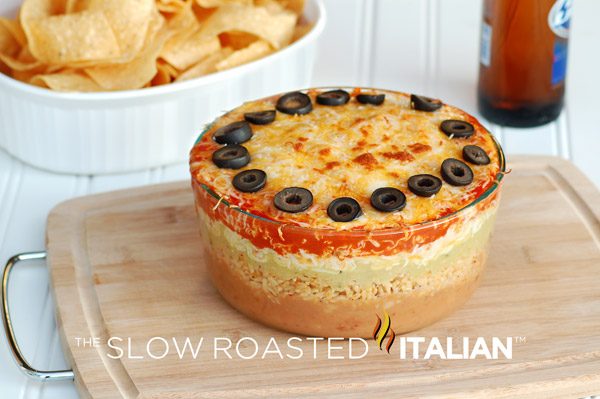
x=523, y=60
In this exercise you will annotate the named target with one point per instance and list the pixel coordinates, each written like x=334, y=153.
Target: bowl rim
x=496, y=185
x=175, y=87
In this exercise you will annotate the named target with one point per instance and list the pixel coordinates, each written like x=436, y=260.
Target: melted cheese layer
x=349, y=150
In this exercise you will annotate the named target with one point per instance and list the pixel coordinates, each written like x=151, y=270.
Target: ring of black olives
x=475, y=155
x=294, y=103
x=293, y=199
x=333, y=97
x=260, y=117
x=456, y=173
x=372, y=99
x=422, y=103
x=424, y=185
x=231, y=157
x=388, y=199
x=250, y=181
x=457, y=128
x=234, y=133
x=344, y=209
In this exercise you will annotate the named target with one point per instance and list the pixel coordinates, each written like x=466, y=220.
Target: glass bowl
x=324, y=282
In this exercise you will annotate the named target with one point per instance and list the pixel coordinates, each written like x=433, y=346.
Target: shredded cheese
x=349, y=150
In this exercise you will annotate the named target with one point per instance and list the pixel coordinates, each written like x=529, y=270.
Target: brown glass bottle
x=523, y=60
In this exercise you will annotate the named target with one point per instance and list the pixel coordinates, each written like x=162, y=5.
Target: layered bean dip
x=321, y=209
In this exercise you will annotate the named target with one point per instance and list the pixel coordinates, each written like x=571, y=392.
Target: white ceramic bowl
x=97, y=133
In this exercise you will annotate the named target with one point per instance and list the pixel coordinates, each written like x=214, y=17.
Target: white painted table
x=422, y=46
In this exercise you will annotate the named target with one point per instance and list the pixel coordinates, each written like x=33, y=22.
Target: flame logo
x=382, y=328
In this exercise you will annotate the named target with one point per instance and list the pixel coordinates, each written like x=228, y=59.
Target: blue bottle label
x=559, y=20
x=559, y=65
x=485, y=52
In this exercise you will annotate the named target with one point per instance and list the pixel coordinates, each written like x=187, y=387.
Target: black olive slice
x=231, y=157
x=373, y=99
x=424, y=185
x=293, y=199
x=422, y=103
x=250, y=181
x=333, y=97
x=294, y=103
x=234, y=133
x=475, y=155
x=456, y=173
x=388, y=199
x=457, y=128
x=344, y=209
x=260, y=117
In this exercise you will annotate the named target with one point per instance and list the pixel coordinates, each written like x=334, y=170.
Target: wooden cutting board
x=128, y=264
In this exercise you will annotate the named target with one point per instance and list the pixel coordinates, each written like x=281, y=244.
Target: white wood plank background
x=422, y=46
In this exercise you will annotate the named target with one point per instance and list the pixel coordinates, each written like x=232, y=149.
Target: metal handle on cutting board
x=8, y=328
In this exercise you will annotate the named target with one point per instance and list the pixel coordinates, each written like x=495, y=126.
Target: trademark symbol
x=520, y=340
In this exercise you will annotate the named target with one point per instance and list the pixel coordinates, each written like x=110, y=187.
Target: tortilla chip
x=253, y=52
x=273, y=6
x=296, y=6
x=5, y=69
x=201, y=13
x=301, y=30
x=32, y=10
x=98, y=45
x=206, y=66
x=173, y=6
x=129, y=20
x=9, y=45
x=163, y=75
x=220, y=3
x=275, y=28
x=15, y=29
x=183, y=52
x=22, y=61
x=24, y=76
x=135, y=74
x=187, y=46
x=73, y=6
x=68, y=81
x=173, y=72
x=35, y=9
x=72, y=38
x=237, y=40
x=25, y=61
x=182, y=20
